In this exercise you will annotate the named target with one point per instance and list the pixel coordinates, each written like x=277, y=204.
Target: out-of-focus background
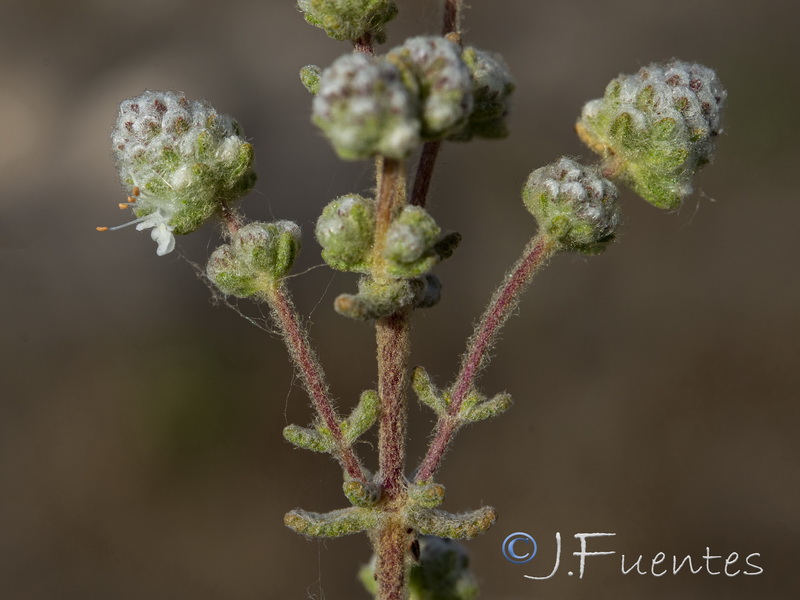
x=656, y=386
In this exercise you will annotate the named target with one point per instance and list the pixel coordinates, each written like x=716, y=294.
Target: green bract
x=656, y=128
x=258, y=256
x=180, y=161
x=573, y=204
x=376, y=299
x=349, y=19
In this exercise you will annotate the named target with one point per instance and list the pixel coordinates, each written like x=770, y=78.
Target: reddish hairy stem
x=392, y=338
x=312, y=377
x=430, y=150
x=389, y=197
x=422, y=180
x=452, y=12
x=505, y=299
x=364, y=45
x=391, y=543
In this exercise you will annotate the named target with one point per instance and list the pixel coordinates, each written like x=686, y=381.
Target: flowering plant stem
x=536, y=254
x=183, y=163
x=312, y=376
x=392, y=336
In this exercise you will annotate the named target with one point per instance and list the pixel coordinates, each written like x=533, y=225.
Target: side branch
x=451, y=28
x=422, y=179
x=502, y=304
x=312, y=376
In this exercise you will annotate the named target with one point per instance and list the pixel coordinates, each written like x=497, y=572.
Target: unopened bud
x=408, y=248
x=574, y=204
x=349, y=19
x=346, y=232
x=258, y=256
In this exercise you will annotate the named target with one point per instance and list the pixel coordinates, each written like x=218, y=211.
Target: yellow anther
x=101, y=228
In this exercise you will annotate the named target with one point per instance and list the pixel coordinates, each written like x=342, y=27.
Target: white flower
x=158, y=220
x=162, y=231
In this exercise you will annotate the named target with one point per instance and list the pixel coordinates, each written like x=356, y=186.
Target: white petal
x=164, y=238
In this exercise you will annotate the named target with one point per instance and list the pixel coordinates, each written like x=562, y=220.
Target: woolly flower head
x=492, y=87
x=364, y=109
x=349, y=19
x=656, y=128
x=574, y=204
x=435, y=72
x=181, y=162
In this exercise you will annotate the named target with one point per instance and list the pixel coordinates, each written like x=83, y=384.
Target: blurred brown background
x=656, y=386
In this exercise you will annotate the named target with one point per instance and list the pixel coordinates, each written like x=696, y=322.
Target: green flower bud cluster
x=364, y=108
x=573, y=204
x=349, y=19
x=441, y=573
x=180, y=160
x=427, y=89
x=413, y=246
x=656, y=128
x=258, y=256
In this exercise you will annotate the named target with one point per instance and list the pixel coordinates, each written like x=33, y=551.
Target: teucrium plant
x=182, y=164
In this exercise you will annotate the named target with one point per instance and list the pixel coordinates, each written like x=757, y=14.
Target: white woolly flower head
x=434, y=70
x=655, y=128
x=492, y=88
x=180, y=161
x=364, y=109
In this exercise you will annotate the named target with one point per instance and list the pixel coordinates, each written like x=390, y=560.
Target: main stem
x=393, y=349
x=312, y=376
x=502, y=304
x=392, y=337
